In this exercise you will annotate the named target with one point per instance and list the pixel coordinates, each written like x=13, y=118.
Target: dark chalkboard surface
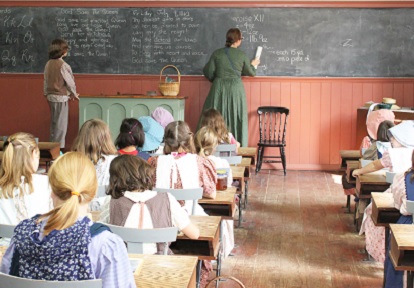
x=296, y=41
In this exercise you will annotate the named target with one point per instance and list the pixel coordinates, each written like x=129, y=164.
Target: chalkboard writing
x=337, y=42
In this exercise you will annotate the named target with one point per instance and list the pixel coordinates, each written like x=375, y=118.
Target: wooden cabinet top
x=135, y=96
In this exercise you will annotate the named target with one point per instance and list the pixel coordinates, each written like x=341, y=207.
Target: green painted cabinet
x=113, y=109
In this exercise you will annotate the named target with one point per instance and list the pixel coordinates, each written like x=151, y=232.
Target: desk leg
x=387, y=240
x=198, y=274
x=246, y=187
x=410, y=279
x=240, y=210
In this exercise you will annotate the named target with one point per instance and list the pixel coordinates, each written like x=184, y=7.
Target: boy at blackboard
x=59, y=87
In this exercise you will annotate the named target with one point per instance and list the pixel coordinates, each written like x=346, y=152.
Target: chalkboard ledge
x=134, y=96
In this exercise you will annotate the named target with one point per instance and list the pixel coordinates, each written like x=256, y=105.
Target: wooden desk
x=206, y=247
x=383, y=210
x=160, y=270
x=165, y=271
x=238, y=175
x=347, y=155
x=224, y=204
x=246, y=163
x=404, y=114
x=248, y=152
x=351, y=165
x=371, y=182
x=402, y=246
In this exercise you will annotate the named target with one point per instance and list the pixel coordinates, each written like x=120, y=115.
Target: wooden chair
x=135, y=238
x=6, y=231
x=272, y=129
x=225, y=150
x=190, y=194
x=17, y=282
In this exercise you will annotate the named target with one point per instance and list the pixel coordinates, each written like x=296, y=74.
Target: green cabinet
x=113, y=109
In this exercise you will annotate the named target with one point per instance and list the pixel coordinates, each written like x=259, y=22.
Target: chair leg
x=260, y=153
x=283, y=158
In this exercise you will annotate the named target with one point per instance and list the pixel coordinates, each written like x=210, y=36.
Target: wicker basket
x=169, y=88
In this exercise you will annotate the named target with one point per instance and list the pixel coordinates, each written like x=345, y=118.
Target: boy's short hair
x=58, y=48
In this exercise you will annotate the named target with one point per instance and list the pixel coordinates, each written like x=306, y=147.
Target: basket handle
x=171, y=66
x=225, y=277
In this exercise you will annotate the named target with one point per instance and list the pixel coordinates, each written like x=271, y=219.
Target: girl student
x=213, y=118
x=134, y=205
x=23, y=193
x=206, y=141
x=94, y=140
x=180, y=167
x=64, y=244
x=131, y=136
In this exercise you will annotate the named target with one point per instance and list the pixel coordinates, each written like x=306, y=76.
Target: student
x=403, y=190
x=180, y=167
x=212, y=118
x=63, y=244
x=162, y=116
x=134, y=205
x=131, y=136
x=401, y=136
x=23, y=193
x=374, y=119
x=206, y=141
x=59, y=87
x=154, y=134
x=94, y=140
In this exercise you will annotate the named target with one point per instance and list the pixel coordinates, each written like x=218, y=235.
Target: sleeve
x=208, y=175
x=153, y=162
x=179, y=216
x=386, y=160
x=45, y=81
x=398, y=191
x=232, y=139
x=7, y=258
x=209, y=70
x=112, y=263
x=366, y=142
x=69, y=79
x=248, y=69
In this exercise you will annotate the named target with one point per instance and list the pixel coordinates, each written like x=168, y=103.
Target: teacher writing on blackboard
x=59, y=87
x=227, y=95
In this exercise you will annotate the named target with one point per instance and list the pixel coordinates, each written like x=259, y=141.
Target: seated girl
x=63, y=244
x=180, y=167
x=94, y=140
x=23, y=193
x=134, y=205
x=154, y=134
x=162, y=116
x=131, y=136
x=206, y=141
x=213, y=118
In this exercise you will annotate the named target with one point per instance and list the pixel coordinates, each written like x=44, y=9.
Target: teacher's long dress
x=227, y=93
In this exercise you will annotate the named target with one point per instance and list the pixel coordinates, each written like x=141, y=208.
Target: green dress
x=227, y=93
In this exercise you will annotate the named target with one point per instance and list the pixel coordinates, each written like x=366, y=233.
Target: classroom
x=323, y=60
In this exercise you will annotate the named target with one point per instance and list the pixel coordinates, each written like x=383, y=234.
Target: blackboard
x=349, y=42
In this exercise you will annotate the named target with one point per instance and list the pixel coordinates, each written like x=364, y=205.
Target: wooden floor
x=297, y=235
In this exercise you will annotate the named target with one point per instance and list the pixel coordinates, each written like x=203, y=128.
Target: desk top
x=165, y=270
x=377, y=177
x=350, y=154
x=404, y=236
x=52, y=147
x=208, y=226
x=238, y=172
x=383, y=200
x=247, y=151
x=383, y=211
x=222, y=197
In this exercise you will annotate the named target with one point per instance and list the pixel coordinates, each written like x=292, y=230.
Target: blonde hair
x=213, y=118
x=206, y=141
x=16, y=166
x=72, y=174
x=178, y=138
x=94, y=140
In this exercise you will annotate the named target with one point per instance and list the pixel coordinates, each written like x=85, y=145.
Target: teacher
x=227, y=95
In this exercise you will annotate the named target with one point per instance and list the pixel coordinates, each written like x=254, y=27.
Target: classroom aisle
x=297, y=235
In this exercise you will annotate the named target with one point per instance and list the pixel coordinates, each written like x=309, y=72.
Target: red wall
x=323, y=110
x=322, y=119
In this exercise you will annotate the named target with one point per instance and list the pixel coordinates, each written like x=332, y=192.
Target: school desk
x=223, y=205
x=248, y=152
x=165, y=271
x=348, y=155
x=246, y=163
x=371, y=182
x=238, y=175
x=402, y=249
x=160, y=270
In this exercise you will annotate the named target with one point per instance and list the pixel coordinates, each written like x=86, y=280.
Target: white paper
x=259, y=52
